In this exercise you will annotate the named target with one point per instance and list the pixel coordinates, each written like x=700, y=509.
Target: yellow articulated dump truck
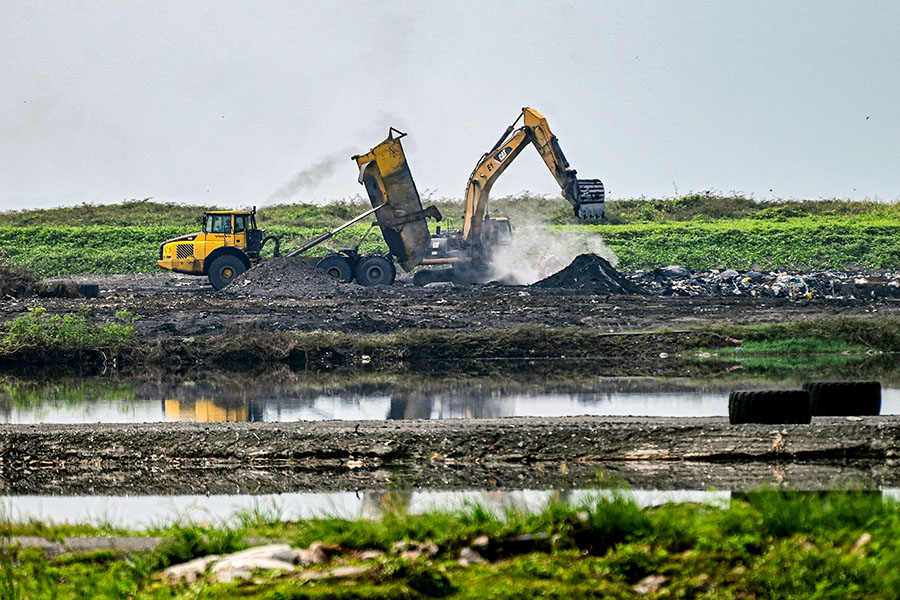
x=230, y=241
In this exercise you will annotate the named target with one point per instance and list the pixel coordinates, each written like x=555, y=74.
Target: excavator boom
x=587, y=196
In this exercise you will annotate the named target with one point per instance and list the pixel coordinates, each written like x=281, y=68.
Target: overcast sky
x=227, y=102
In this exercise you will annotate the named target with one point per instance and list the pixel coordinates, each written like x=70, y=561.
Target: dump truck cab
x=228, y=244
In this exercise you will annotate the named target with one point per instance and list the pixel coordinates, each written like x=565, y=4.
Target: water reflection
x=258, y=399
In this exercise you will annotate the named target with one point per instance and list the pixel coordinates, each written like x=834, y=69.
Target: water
x=142, y=512
x=256, y=399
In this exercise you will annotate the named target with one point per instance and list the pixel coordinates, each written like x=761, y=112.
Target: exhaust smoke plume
x=310, y=177
x=537, y=252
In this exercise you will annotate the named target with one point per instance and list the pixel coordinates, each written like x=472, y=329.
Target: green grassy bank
x=82, y=342
x=699, y=231
x=840, y=545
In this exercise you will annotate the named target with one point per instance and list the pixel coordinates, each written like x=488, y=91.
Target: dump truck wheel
x=224, y=270
x=375, y=270
x=771, y=407
x=337, y=266
x=844, y=398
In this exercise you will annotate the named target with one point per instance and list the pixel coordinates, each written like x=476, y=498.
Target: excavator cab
x=497, y=232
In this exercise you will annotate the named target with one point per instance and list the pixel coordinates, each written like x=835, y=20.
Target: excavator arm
x=586, y=196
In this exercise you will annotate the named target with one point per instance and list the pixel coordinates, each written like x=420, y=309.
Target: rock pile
x=288, y=277
x=681, y=281
x=591, y=273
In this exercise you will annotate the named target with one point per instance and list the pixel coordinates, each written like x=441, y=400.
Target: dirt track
x=663, y=453
x=183, y=306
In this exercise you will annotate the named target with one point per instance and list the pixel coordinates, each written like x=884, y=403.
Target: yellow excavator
x=469, y=250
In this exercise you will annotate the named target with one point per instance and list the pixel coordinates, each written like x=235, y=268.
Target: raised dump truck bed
x=385, y=174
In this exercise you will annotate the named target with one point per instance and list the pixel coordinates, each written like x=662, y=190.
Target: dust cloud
x=537, y=252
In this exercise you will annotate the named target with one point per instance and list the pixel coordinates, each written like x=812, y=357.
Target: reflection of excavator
x=469, y=250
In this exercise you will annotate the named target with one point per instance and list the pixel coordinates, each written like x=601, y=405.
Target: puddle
x=143, y=512
x=100, y=400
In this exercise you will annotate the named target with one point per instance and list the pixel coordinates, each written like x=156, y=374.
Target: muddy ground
x=184, y=306
x=513, y=453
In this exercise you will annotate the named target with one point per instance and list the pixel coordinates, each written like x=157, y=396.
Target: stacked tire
x=844, y=398
x=769, y=407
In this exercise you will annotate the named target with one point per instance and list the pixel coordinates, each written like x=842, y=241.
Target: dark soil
x=661, y=453
x=289, y=278
x=592, y=274
x=16, y=281
x=19, y=282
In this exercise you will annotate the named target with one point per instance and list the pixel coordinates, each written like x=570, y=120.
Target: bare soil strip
x=515, y=453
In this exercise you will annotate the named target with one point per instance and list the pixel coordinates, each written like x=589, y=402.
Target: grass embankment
x=764, y=545
x=699, y=231
x=62, y=341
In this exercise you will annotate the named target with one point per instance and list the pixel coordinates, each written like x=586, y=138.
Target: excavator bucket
x=388, y=181
x=591, y=200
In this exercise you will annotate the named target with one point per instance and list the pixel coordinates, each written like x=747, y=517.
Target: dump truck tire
x=224, y=270
x=844, y=398
x=337, y=266
x=375, y=270
x=770, y=407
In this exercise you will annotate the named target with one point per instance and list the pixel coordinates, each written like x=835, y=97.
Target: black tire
x=770, y=407
x=375, y=270
x=224, y=270
x=337, y=266
x=844, y=398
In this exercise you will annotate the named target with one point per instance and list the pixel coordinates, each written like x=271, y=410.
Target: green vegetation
x=764, y=545
x=106, y=249
x=869, y=343
x=39, y=331
x=699, y=231
x=808, y=242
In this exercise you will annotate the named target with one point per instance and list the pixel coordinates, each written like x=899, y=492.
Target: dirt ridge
x=489, y=453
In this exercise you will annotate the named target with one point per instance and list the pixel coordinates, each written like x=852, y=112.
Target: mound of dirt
x=591, y=273
x=287, y=277
x=16, y=281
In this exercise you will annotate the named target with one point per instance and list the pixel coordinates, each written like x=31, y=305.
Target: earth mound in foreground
x=287, y=277
x=18, y=282
x=591, y=273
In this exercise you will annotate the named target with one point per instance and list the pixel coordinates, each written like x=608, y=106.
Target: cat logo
x=500, y=156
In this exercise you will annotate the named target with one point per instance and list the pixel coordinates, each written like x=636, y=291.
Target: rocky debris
x=413, y=550
x=288, y=277
x=798, y=285
x=314, y=555
x=272, y=557
x=650, y=584
x=468, y=556
x=238, y=565
x=591, y=273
